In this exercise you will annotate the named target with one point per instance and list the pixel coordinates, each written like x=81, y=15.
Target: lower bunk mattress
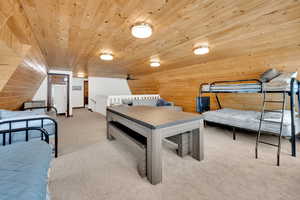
x=24, y=171
x=250, y=120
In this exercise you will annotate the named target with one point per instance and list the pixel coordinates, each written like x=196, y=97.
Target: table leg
x=154, y=157
x=108, y=135
x=198, y=145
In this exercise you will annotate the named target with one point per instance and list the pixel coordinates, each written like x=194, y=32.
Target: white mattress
x=247, y=87
x=250, y=120
x=275, y=87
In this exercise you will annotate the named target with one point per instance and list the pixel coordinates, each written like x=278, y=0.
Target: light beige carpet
x=91, y=168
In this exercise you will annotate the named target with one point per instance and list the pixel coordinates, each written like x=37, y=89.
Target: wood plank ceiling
x=72, y=33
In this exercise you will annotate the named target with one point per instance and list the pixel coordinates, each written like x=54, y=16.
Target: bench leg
x=142, y=165
x=184, y=144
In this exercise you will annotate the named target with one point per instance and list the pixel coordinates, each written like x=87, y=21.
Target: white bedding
x=250, y=120
x=278, y=84
x=246, y=87
x=249, y=87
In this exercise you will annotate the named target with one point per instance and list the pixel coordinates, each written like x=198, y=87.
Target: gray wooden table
x=155, y=124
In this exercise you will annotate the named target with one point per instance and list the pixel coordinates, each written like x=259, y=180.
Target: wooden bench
x=132, y=139
x=139, y=143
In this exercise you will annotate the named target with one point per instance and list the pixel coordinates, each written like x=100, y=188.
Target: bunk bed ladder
x=263, y=120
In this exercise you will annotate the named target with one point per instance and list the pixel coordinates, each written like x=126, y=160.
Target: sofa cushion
x=162, y=102
x=144, y=102
x=24, y=170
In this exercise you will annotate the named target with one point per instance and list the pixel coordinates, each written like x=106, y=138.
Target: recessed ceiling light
x=201, y=50
x=141, y=30
x=80, y=75
x=106, y=56
x=154, y=63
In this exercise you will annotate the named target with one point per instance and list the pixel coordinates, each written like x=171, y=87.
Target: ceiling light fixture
x=201, y=50
x=80, y=75
x=141, y=30
x=154, y=63
x=106, y=56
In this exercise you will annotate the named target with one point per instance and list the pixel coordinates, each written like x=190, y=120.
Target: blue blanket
x=24, y=170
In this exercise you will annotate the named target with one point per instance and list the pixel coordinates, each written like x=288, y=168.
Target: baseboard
x=78, y=107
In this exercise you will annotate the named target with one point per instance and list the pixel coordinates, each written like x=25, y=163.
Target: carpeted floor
x=91, y=168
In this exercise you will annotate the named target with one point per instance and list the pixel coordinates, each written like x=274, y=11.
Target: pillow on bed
x=269, y=75
x=283, y=79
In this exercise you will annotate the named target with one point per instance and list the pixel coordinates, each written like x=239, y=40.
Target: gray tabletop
x=154, y=117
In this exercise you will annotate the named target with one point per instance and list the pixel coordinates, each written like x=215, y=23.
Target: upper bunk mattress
x=24, y=170
x=250, y=120
x=249, y=87
x=245, y=88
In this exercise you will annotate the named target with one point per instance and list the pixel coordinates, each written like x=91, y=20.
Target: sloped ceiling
x=9, y=61
x=22, y=65
x=72, y=33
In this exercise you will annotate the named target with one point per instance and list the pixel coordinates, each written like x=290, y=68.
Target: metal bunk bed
x=42, y=128
x=256, y=86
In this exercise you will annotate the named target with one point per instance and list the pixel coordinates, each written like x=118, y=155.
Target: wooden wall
x=22, y=64
x=144, y=86
x=21, y=87
x=181, y=85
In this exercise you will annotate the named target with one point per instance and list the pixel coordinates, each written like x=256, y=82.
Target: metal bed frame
x=291, y=93
x=42, y=130
x=27, y=128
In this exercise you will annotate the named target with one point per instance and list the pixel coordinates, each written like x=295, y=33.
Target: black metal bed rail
x=43, y=131
x=292, y=108
x=10, y=130
x=43, y=107
x=229, y=81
